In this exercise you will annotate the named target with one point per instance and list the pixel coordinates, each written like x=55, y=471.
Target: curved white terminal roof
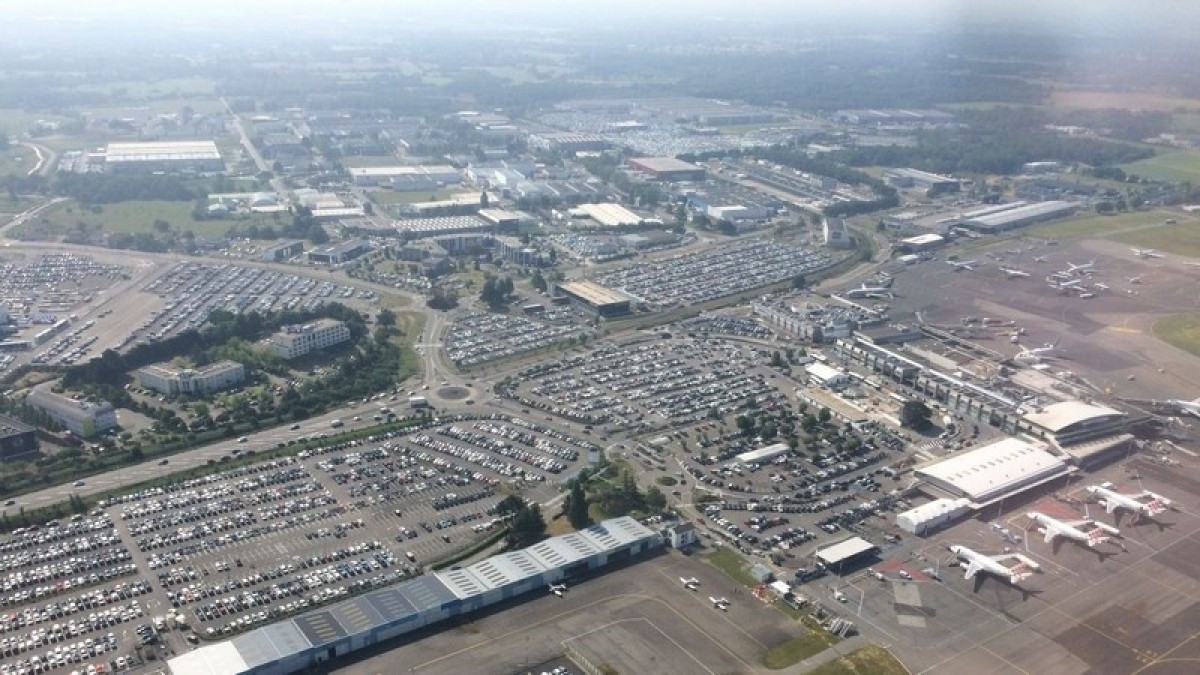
x=1060, y=416
x=994, y=471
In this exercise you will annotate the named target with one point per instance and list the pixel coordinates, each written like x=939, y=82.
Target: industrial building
x=515, y=251
x=405, y=178
x=922, y=242
x=17, y=439
x=667, y=168
x=914, y=178
x=324, y=634
x=192, y=381
x=298, y=340
x=835, y=234
x=334, y=254
x=730, y=202
x=594, y=297
x=1029, y=214
x=822, y=375
x=843, y=555
x=283, y=251
x=764, y=454
x=419, y=228
x=606, y=216
x=1087, y=434
x=82, y=417
x=923, y=519
x=568, y=142
x=173, y=156
x=993, y=472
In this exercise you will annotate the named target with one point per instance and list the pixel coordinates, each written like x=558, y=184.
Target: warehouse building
x=419, y=228
x=605, y=216
x=922, y=242
x=923, y=180
x=17, y=439
x=923, y=519
x=764, y=454
x=172, y=156
x=82, y=417
x=297, y=340
x=594, y=297
x=667, y=169
x=1029, y=214
x=284, y=251
x=993, y=472
x=334, y=254
x=845, y=555
x=569, y=142
x=822, y=375
x=324, y=634
x=192, y=381
x=405, y=178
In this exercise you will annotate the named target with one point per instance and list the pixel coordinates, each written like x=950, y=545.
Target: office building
x=82, y=417
x=296, y=341
x=335, y=254
x=192, y=381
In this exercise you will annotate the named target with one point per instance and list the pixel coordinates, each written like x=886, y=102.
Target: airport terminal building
x=324, y=634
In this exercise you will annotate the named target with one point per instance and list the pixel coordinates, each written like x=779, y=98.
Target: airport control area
x=374, y=344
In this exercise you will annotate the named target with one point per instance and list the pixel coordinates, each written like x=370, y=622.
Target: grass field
x=1174, y=166
x=735, y=566
x=1182, y=238
x=797, y=649
x=1131, y=100
x=1093, y=225
x=130, y=217
x=1182, y=331
x=17, y=159
x=869, y=660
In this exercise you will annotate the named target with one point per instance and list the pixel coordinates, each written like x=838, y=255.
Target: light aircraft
x=1146, y=253
x=1098, y=533
x=1135, y=280
x=994, y=564
x=1013, y=273
x=558, y=589
x=1039, y=258
x=1144, y=503
x=691, y=584
x=1079, y=269
x=959, y=266
x=720, y=603
x=866, y=291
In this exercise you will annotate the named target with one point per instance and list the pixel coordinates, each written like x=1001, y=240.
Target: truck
x=336, y=424
x=418, y=401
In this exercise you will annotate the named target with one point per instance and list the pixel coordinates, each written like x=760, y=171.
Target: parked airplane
x=959, y=266
x=1013, y=273
x=979, y=562
x=1039, y=258
x=1146, y=253
x=558, y=589
x=1187, y=407
x=720, y=603
x=1079, y=269
x=866, y=291
x=1101, y=286
x=691, y=584
x=1098, y=533
x=1035, y=355
x=1144, y=503
x=1135, y=280
x=1073, y=283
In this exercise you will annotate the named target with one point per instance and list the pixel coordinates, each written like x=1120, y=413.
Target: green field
x=130, y=217
x=735, y=566
x=1093, y=225
x=869, y=660
x=17, y=159
x=1181, y=331
x=1175, y=166
x=797, y=649
x=1182, y=238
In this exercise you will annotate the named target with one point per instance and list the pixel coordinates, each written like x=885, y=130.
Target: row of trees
x=496, y=292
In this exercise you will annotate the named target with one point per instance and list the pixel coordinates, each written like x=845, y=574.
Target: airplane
x=1101, y=286
x=865, y=291
x=1085, y=267
x=558, y=589
x=1013, y=273
x=719, y=603
x=1186, y=407
x=1039, y=258
x=1135, y=280
x=959, y=266
x=1036, y=354
x=691, y=584
x=1144, y=503
x=979, y=562
x=1053, y=528
x=1146, y=253
x=1073, y=283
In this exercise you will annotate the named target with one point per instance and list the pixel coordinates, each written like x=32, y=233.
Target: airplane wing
x=1110, y=505
x=1049, y=534
x=972, y=570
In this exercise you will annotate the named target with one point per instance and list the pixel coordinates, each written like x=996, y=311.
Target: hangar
x=323, y=634
x=993, y=472
x=838, y=555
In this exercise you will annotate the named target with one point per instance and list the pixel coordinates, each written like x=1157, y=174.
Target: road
x=28, y=214
x=47, y=159
x=259, y=160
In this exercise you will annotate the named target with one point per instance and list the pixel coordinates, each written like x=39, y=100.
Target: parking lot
x=151, y=571
x=479, y=338
x=692, y=278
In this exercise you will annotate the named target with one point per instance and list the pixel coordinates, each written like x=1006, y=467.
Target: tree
x=824, y=415
x=538, y=281
x=526, y=526
x=655, y=499
x=915, y=415
x=577, y=506
x=161, y=225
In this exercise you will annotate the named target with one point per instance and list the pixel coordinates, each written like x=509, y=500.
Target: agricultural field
x=17, y=159
x=127, y=217
x=1175, y=166
x=1181, y=331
